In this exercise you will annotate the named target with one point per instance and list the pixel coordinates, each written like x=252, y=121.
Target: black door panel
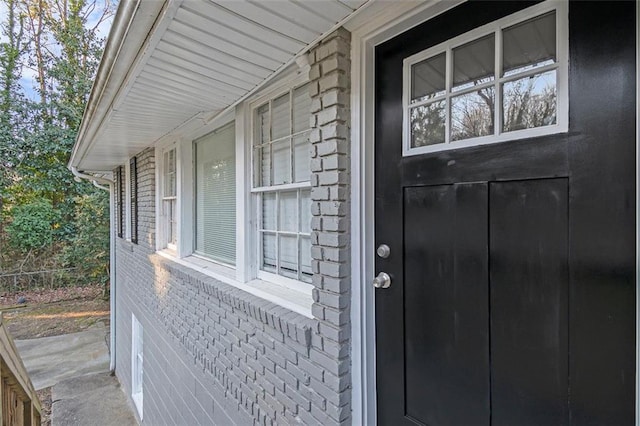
x=446, y=304
x=513, y=264
x=529, y=302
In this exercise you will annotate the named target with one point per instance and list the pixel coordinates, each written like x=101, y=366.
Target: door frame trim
x=386, y=24
x=637, y=213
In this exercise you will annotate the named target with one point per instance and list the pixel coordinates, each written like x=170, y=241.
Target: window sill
x=298, y=301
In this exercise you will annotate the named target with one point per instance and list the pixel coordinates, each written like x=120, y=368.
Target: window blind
x=216, y=195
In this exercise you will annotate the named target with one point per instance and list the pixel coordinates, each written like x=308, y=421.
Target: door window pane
x=428, y=124
x=428, y=78
x=474, y=63
x=529, y=44
x=472, y=114
x=530, y=102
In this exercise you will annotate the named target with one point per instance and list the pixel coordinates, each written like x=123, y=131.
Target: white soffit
x=200, y=56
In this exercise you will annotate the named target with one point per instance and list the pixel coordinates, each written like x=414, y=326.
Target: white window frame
x=162, y=234
x=256, y=192
x=496, y=27
x=137, y=364
x=289, y=293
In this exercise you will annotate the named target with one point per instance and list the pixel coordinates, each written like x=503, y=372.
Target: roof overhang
x=173, y=63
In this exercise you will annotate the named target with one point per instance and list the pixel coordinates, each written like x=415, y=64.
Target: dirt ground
x=52, y=312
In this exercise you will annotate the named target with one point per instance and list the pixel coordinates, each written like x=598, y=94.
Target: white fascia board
x=134, y=25
x=138, y=27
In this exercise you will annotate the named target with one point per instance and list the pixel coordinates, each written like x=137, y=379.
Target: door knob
x=383, y=280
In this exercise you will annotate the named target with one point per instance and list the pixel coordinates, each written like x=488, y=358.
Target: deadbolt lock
x=383, y=251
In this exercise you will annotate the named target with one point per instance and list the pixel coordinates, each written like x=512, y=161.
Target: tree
x=59, y=43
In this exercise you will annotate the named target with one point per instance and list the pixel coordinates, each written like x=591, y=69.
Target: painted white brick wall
x=217, y=355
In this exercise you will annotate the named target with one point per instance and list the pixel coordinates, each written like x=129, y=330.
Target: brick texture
x=214, y=354
x=330, y=91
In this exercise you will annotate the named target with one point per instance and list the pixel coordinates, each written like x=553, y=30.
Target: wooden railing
x=20, y=404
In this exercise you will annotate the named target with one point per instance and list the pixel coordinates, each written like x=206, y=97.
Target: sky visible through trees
x=49, y=54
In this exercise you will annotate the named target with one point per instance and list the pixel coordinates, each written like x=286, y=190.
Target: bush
x=32, y=226
x=88, y=250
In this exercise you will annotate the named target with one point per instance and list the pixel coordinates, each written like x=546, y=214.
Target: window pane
x=305, y=211
x=170, y=173
x=474, y=63
x=281, y=162
x=428, y=78
x=280, y=114
x=472, y=114
x=289, y=256
x=529, y=44
x=301, y=158
x=216, y=196
x=269, y=252
x=262, y=125
x=262, y=158
x=305, y=258
x=171, y=224
x=530, y=102
x=427, y=124
x=269, y=211
x=288, y=211
x=301, y=108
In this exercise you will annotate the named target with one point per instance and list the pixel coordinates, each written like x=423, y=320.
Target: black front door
x=512, y=299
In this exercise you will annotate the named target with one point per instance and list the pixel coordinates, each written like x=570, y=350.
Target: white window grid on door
x=560, y=66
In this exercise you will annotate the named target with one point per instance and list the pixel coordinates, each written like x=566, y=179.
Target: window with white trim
x=215, y=194
x=281, y=185
x=506, y=80
x=169, y=198
x=137, y=364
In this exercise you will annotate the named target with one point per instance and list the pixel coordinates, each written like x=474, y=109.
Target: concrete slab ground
x=91, y=400
x=50, y=360
x=77, y=366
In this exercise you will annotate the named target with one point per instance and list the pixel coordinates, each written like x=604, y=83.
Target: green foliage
x=33, y=226
x=42, y=208
x=88, y=251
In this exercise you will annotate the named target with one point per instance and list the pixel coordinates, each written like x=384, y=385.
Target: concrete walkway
x=77, y=366
x=50, y=360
